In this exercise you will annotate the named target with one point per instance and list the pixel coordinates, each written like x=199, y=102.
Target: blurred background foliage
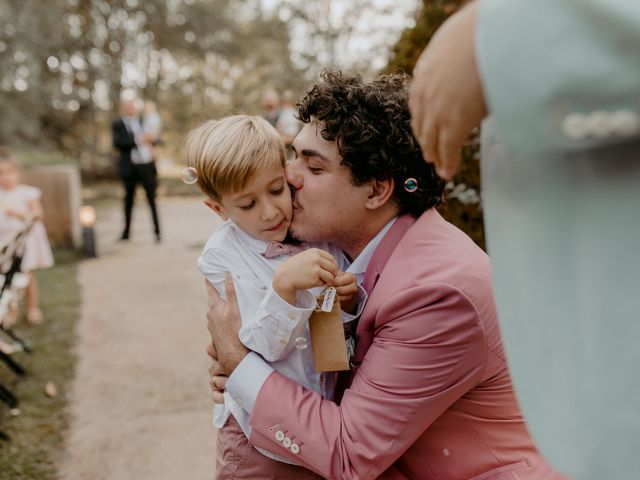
x=463, y=206
x=65, y=63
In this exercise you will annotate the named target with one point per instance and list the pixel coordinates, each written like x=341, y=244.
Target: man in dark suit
x=136, y=163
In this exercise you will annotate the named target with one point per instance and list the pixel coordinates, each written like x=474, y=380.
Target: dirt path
x=140, y=403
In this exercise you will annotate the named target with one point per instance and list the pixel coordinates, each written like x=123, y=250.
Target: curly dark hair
x=371, y=124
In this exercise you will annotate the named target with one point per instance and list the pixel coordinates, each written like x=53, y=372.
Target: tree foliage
x=64, y=64
x=355, y=35
x=463, y=206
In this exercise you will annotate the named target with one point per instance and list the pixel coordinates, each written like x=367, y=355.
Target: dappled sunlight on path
x=140, y=406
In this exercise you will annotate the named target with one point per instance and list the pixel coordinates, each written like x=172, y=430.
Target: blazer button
x=624, y=123
x=295, y=449
x=286, y=442
x=573, y=126
x=598, y=125
x=279, y=435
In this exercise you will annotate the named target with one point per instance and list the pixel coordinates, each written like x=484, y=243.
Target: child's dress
x=37, y=252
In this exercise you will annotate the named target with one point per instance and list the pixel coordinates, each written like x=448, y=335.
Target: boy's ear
x=380, y=193
x=216, y=207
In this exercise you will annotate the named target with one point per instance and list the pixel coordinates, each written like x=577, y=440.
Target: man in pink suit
x=430, y=395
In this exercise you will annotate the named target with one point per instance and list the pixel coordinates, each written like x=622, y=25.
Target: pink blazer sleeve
x=428, y=350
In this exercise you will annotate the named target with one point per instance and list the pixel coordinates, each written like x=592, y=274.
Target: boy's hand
x=311, y=268
x=347, y=291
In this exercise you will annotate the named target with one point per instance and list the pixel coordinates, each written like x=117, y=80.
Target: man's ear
x=216, y=207
x=380, y=193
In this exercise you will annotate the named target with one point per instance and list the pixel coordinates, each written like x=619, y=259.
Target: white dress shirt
x=142, y=153
x=247, y=379
x=271, y=327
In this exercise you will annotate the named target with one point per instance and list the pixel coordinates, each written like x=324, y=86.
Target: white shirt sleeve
x=246, y=380
x=362, y=301
x=270, y=325
x=343, y=264
x=272, y=328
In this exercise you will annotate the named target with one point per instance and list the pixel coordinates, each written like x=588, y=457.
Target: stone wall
x=61, y=199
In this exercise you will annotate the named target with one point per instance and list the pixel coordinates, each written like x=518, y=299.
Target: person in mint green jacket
x=560, y=166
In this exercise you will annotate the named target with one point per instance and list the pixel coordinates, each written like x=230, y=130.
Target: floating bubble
x=411, y=185
x=301, y=343
x=189, y=175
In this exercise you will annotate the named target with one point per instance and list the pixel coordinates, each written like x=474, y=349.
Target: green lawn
x=37, y=433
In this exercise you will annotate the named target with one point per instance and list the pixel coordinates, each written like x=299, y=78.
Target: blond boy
x=239, y=164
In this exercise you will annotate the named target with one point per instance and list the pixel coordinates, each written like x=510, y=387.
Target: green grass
x=37, y=434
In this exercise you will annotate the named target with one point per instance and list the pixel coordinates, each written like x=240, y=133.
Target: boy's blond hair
x=227, y=153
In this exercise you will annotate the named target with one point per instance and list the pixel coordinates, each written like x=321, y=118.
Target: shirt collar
x=361, y=262
x=255, y=244
x=357, y=267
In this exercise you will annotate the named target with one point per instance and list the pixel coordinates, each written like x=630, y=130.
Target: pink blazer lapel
x=385, y=249
x=364, y=335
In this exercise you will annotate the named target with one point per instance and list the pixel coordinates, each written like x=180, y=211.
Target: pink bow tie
x=276, y=249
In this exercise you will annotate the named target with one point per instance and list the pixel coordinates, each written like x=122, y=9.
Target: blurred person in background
x=20, y=204
x=288, y=124
x=271, y=106
x=136, y=162
x=561, y=188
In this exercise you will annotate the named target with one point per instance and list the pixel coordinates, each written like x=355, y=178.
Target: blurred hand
x=147, y=138
x=15, y=214
x=308, y=269
x=446, y=98
x=347, y=291
x=223, y=321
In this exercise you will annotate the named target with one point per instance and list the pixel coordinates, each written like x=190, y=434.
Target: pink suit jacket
x=430, y=396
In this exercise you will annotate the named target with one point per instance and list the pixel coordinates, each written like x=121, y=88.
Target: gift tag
x=328, y=299
x=327, y=339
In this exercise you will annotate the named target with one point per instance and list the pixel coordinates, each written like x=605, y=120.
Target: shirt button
x=283, y=340
x=295, y=449
x=286, y=442
x=292, y=315
x=279, y=435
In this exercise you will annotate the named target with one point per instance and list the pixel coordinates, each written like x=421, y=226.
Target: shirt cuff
x=246, y=380
x=362, y=301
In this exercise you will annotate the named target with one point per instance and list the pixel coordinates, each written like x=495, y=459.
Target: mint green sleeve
x=561, y=75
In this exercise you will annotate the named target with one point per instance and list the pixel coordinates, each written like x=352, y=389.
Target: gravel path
x=140, y=406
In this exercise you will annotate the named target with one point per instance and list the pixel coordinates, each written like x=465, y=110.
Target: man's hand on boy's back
x=308, y=269
x=223, y=322
x=217, y=377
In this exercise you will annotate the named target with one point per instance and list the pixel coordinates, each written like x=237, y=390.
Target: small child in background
x=151, y=126
x=19, y=203
x=238, y=162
